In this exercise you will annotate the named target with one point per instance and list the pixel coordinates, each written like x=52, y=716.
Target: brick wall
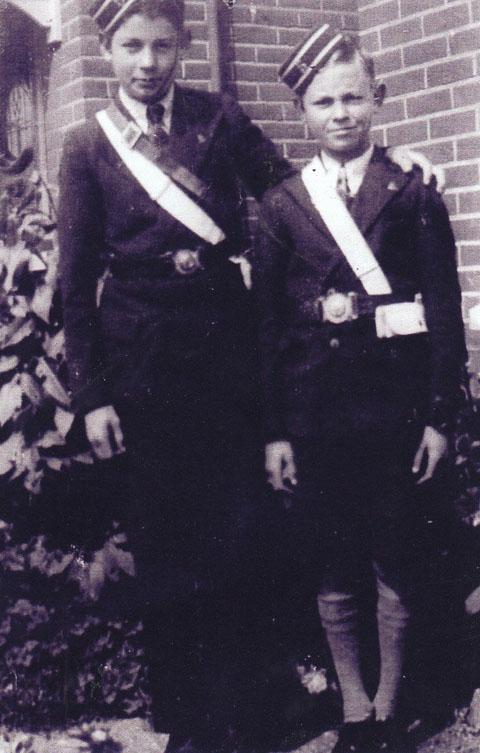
x=255, y=39
x=427, y=53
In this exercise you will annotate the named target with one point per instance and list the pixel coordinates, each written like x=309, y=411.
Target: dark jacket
x=105, y=216
x=319, y=376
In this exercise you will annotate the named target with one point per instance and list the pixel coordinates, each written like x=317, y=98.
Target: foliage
x=64, y=654
x=467, y=459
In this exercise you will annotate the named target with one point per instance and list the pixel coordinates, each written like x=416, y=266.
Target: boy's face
x=144, y=54
x=338, y=107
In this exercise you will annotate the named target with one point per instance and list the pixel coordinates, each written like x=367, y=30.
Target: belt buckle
x=187, y=261
x=337, y=307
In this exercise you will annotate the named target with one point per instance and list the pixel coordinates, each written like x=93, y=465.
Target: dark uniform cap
x=107, y=13
x=304, y=62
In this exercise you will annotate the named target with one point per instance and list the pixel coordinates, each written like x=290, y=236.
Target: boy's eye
x=324, y=102
x=353, y=98
x=132, y=44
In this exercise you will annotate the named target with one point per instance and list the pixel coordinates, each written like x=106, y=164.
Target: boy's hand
x=280, y=466
x=433, y=447
x=406, y=158
x=104, y=432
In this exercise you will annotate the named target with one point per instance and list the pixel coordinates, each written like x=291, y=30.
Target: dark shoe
x=356, y=737
x=392, y=737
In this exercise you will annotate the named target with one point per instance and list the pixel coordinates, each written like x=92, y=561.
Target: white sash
x=160, y=187
x=344, y=229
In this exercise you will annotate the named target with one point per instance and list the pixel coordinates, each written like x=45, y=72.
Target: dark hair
x=172, y=10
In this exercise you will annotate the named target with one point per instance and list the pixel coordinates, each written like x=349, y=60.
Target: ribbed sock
x=393, y=620
x=339, y=616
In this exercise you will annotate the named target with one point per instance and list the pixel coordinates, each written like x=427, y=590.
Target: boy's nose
x=339, y=111
x=148, y=58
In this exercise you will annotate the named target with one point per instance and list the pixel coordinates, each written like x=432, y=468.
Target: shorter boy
x=362, y=348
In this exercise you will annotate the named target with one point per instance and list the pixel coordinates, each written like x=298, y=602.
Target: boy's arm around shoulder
x=80, y=229
x=257, y=161
x=436, y=254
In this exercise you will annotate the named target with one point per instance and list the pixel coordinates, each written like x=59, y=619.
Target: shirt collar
x=138, y=110
x=355, y=168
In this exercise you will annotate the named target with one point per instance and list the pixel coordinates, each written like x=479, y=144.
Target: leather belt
x=180, y=262
x=337, y=307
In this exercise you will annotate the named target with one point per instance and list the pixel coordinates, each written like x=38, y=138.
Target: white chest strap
x=344, y=229
x=160, y=187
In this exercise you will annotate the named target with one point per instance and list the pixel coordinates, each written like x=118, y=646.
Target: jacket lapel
x=381, y=183
x=311, y=251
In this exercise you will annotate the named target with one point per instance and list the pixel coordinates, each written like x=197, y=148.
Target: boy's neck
x=342, y=158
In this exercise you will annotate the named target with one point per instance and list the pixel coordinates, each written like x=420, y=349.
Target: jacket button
x=334, y=343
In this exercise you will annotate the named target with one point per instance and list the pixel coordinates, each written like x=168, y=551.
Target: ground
x=135, y=736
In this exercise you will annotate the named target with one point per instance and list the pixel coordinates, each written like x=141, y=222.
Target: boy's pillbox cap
x=303, y=63
x=107, y=13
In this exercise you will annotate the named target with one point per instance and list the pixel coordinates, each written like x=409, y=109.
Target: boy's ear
x=379, y=94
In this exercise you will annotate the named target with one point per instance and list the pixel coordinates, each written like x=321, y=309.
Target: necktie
x=343, y=189
x=156, y=132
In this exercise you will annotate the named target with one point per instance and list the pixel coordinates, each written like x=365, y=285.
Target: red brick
x=246, y=92
x=350, y=6
x=465, y=41
x=402, y=83
x=401, y=33
x=379, y=14
x=408, y=133
x=439, y=152
x=466, y=229
x=370, y=41
x=63, y=116
x=468, y=148
x=87, y=109
x=275, y=17
x=452, y=70
x=446, y=19
x=469, y=255
x=261, y=111
x=350, y=22
x=409, y=7
x=390, y=112
x=78, y=27
x=467, y=303
x=255, y=72
x=199, y=32
x=73, y=9
x=291, y=111
x=272, y=54
x=378, y=136
x=274, y=93
x=242, y=14
x=462, y=175
x=312, y=18
x=87, y=45
x=467, y=95
x=451, y=125
x=427, y=103
x=84, y=89
x=254, y=35
x=196, y=51
x=417, y=54
x=198, y=70
x=388, y=61
x=469, y=281
x=195, y=12
x=450, y=201
x=244, y=53
x=476, y=10
x=284, y=130
x=470, y=204
x=92, y=67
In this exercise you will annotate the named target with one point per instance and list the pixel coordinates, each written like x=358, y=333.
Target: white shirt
x=355, y=169
x=138, y=110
